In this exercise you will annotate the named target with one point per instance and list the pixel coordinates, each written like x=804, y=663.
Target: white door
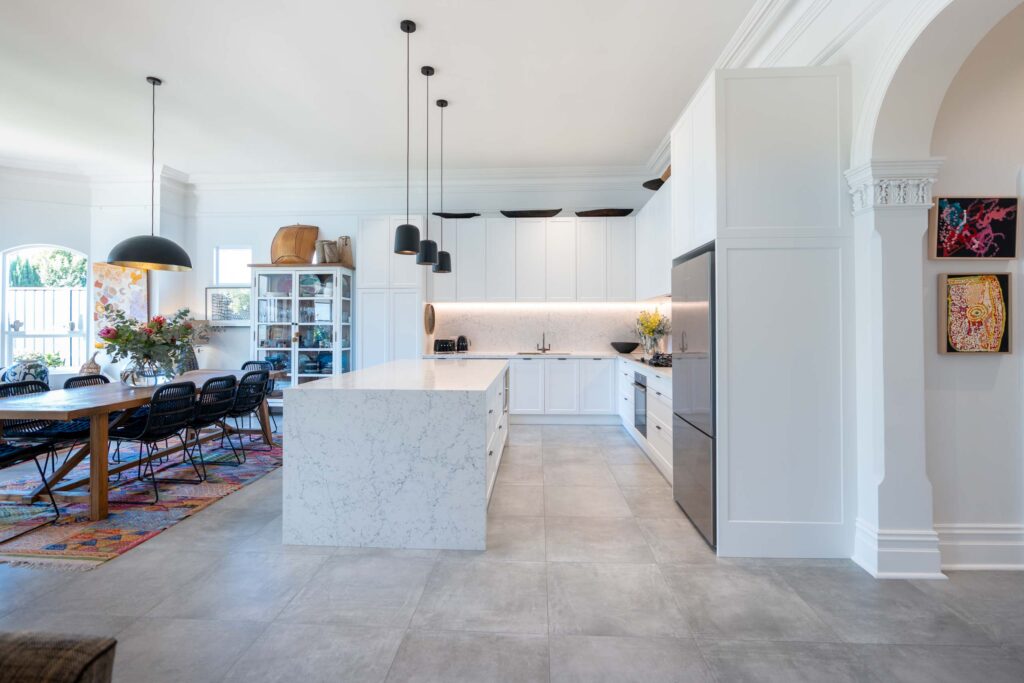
x=526, y=386
x=472, y=270
x=597, y=386
x=501, y=259
x=561, y=386
x=406, y=322
x=372, y=247
x=405, y=272
x=560, y=259
x=530, y=265
x=592, y=259
x=443, y=285
x=621, y=259
x=372, y=329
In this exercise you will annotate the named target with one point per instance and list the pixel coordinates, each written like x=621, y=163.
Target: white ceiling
x=318, y=85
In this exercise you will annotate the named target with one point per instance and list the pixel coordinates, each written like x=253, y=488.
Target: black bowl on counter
x=625, y=347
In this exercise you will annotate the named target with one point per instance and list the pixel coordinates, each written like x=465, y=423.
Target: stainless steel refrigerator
x=693, y=387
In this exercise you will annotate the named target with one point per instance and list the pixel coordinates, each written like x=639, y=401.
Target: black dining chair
x=85, y=381
x=170, y=409
x=12, y=454
x=216, y=399
x=251, y=392
x=57, y=434
x=271, y=385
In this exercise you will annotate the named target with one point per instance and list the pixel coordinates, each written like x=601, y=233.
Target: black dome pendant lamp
x=428, y=247
x=150, y=252
x=407, y=236
x=444, y=259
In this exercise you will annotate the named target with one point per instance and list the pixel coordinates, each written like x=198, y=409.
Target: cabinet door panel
x=530, y=259
x=404, y=270
x=597, y=386
x=682, y=188
x=372, y=317
x=406, y=317
x=443, y=285
x=621, y=259
x=592, y=259
x=526, y=386
x=372, y=247
x=501, y=259
x=561, y=386
x=560, y=259
x=472, y=271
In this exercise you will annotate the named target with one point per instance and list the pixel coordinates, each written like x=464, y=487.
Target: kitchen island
x=399, y=455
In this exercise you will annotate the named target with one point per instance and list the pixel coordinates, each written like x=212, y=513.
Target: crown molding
x=803, y=22
x=849, y=31
x=893, y=184
x=22, y=169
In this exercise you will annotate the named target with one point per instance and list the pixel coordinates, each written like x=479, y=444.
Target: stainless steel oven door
x=640, y=403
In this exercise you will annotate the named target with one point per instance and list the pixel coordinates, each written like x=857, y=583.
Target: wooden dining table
x=97, y=403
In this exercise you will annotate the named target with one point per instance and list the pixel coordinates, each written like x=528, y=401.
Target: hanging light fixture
x=428, y=247
x=407, y=236
x=150, y=252
x=444, y=259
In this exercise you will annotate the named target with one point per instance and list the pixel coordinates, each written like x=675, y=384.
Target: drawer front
x=659, y=435
x=659, y=385
x=660, y=407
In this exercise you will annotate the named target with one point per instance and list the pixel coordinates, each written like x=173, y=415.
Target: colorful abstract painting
x=974, y=227
x=124, y=288
x=975, y=313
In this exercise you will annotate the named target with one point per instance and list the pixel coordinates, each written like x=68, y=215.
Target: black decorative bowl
x=625, y=347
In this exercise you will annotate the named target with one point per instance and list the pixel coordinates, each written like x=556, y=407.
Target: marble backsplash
x=511, y=327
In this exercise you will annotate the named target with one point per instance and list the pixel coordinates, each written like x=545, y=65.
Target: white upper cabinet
x=705, y=167
x=471, y=273
x=682, y=185
x=406, y=311
x=526, y=386
x=592, y=259
x=500, y=259
x=530, y=263
x=404, y=271
x=621, y=285
x=561, y=386
x=560, y=259
x=443, y=285
x=597, y=386
x=372, y=252
x=653, y=245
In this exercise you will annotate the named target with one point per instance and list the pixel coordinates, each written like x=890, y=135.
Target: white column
x=895, y=535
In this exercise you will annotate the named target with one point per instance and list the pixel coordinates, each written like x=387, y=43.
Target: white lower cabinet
x=406, y=311
x=388, y=325
x=561, y=386
x=597, y=386
x=526, y=392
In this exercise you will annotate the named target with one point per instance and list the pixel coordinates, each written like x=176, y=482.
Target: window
x=45, y=305
x=232, y=265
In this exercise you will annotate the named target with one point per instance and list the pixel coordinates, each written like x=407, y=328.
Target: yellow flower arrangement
x=651, y=326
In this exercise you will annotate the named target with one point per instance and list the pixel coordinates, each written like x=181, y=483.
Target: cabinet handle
x=490, y=453
x=500, y=427
x=490, y=411
x=658, y=393
x=657, y=426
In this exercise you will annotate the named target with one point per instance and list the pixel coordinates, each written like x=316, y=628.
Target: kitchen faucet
x=543, y=347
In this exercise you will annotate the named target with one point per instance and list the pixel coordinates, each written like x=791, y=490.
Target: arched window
x=45, y=305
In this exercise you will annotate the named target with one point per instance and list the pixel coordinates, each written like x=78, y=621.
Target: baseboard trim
x=564, y=419
x=897, y=553
x=995, y=547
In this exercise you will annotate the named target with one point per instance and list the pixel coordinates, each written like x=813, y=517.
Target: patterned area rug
x=75, y=542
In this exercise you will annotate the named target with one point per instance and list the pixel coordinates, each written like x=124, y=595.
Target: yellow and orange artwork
x=976, y=313
x=124, y=288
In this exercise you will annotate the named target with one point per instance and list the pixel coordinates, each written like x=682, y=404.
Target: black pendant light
x=444, y=259
x=150, y=252
x=428, y=247
x=407, y=236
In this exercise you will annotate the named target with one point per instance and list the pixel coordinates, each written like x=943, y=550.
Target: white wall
x=974, y=404
x=44, y=208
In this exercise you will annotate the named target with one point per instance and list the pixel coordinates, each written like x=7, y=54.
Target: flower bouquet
x=651, y=326
x=154, y=349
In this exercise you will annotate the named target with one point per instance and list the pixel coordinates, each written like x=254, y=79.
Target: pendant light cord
x=407, y=110
x=427, y=136
x=152, y=167
x=442, y=176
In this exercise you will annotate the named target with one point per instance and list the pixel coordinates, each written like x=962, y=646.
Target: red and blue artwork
x=975, y=227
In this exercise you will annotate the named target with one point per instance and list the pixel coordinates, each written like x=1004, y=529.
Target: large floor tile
x=522, y=455
x=584, y=501
x=516, y=500
x=625, y=454
x=763, y=662
x=644, y=474
x=577, y=474
x=510, y=473
x=652, y=501
x=175, y=650
x=59, y=621
x=941, y=664
x=580, y=455
x=269, y=540
x=322, y=653
x=362, y=589
x=19, y=585
x=525, y=435
x=862, y=609
x=733, y=602
x=613, y=600
x=596, y=539
x=611, y=659
x=426, y=657
x=500, y=597
x=216, y=529
x=979, y=596
x=676, y=541
x=519, y=539
x=232, y=591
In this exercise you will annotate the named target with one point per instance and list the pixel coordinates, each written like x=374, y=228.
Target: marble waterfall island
x=399, y=455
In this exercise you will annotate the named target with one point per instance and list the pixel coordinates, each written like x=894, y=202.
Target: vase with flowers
x=154, y=349
x=651, y=326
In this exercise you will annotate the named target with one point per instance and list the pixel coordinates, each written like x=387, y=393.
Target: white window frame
x=217, y=282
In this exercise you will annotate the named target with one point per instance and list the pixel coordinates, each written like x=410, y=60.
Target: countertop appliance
x=461, y=344
x=444, y=346
x=660, y=360
x=693, y=388
x=640, y=402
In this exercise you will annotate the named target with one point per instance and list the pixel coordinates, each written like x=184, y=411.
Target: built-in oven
x=640, y=403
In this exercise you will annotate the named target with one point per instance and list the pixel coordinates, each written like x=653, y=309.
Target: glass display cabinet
x=302, y=321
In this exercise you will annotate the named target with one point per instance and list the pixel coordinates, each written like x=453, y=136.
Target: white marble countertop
x=508, y=355
x=414, y=375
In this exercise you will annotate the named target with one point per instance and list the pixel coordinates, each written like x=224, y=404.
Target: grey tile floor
x=591, y=574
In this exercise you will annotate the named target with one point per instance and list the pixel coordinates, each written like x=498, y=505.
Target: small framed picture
x=974, y=228
x=974, y=313
x=228, y=306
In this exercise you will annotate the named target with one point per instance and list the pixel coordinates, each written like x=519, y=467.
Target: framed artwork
x=974, y=228
x=124, y=288
x=228, y=306
x=974, y=313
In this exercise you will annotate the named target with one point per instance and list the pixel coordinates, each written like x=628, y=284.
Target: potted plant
x=651, y=326
x=155, y=349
